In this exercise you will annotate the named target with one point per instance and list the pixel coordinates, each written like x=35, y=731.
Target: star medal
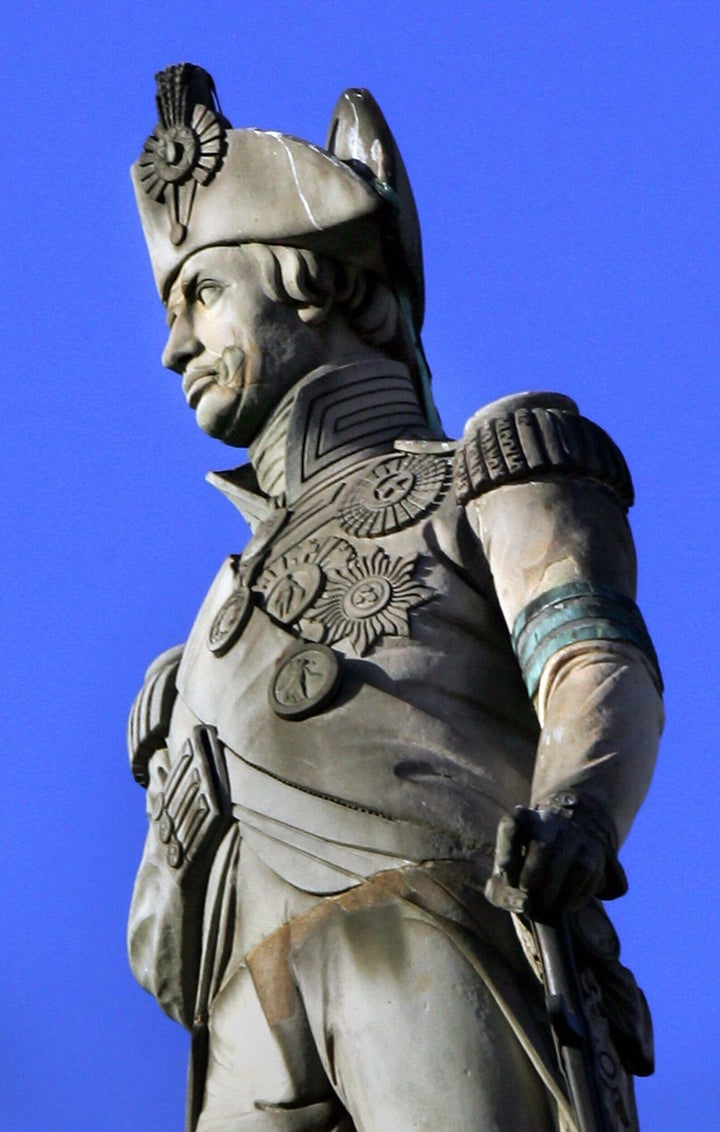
x=369, y=597
x=393, y=494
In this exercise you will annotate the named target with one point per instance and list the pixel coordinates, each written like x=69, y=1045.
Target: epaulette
x=531, y=436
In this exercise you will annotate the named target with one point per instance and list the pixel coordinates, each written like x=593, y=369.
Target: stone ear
x=360, y=137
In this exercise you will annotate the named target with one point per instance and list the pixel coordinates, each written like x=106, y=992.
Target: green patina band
x=579, y=611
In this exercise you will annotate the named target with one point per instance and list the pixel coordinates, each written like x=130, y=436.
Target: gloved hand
x=554, y=858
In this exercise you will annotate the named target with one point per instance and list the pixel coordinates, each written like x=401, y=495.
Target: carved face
x=238, y=350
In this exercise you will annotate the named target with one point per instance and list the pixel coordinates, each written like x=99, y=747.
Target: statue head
x=247, y=321
x=274, y=256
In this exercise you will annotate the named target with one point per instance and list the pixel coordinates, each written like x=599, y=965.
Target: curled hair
x=316, y=283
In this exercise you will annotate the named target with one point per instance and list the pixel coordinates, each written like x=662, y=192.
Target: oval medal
x=306, y=680
x=229, y=621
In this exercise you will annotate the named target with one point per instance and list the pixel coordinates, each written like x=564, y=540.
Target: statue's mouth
x=196, y=381
x=227, y=371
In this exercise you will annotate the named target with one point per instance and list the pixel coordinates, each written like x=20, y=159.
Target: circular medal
x=306, y=680
x=229, y=621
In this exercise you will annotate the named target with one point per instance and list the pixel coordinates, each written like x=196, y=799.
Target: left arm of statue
x=163, y=925
x=597, y=700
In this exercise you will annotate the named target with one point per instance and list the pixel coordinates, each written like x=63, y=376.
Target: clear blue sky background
x=564, y=160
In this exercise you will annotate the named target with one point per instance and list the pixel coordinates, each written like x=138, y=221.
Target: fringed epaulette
x=531, y=436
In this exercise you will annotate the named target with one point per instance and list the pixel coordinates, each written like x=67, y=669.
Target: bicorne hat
x=200, y=183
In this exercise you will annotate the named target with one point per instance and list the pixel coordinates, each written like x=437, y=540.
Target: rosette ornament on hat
x=187, y=146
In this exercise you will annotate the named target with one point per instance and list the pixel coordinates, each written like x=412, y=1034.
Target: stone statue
x=424, y=678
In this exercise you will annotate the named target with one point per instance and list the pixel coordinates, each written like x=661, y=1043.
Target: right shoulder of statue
x=536, y=436
x=149, y=719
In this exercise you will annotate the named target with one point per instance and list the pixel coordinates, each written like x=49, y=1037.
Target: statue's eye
x=208, y=291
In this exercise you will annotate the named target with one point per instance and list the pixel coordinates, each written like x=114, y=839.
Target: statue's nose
x=181, y=346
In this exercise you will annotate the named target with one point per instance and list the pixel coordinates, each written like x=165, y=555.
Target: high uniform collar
x=329, y=421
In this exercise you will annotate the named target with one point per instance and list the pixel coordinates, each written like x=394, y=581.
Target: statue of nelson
x=425, y=642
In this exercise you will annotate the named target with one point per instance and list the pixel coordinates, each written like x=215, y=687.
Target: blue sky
x=564, y=161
